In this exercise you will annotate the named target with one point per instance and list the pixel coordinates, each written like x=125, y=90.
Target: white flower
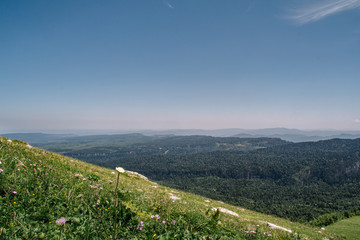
x=120, y=169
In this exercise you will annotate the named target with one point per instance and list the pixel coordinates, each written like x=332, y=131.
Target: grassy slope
x=349, y=228
x=38, y=187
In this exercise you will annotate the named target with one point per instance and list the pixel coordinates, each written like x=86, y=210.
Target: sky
x=179, y=64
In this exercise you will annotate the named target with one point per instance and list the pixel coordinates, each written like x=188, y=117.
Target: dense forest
x=112, y=147
x=298, y=181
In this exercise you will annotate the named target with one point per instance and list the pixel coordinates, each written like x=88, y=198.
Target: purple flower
x=14, y=192
x=163, y=222
x=1, y=170
x=152, y=216
x=141, y=223
x=157, y=216
x=174, y=222
x=27, y=191
x=61, y=221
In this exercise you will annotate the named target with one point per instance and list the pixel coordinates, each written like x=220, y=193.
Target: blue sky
x=157, y=64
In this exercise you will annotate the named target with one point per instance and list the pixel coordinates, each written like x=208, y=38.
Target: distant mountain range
x=293, y=135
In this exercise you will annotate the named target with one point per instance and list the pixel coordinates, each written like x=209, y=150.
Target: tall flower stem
x=116, y=205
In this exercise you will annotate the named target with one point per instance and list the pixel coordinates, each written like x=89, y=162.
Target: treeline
x=330, y=218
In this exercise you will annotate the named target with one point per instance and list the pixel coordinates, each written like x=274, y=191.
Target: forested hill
x=331, y=161
x=299, y=181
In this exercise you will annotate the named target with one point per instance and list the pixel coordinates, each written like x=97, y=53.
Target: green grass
x=37, y=188
x=349, y=228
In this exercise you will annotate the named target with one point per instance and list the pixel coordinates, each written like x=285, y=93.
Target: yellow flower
x=155, y=235
x=14, y=202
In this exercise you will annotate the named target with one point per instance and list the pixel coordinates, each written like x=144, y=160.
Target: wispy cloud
x=322, y=9
x=168, y=4
x=357, y=120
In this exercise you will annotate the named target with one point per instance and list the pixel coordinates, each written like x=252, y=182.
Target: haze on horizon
x=206, y=64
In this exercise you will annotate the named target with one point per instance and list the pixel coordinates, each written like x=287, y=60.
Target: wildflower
x=101, y=188
x=27, y=191
x=141, y=223
x=84, y=179
x=91, y=186
x=174, y=222
x=152, y=216
x=163, y=222
x=155, y=235
x=157, y=216
x=61, y=221
x=1, y=170
x=120, y=169
x=14, y=192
